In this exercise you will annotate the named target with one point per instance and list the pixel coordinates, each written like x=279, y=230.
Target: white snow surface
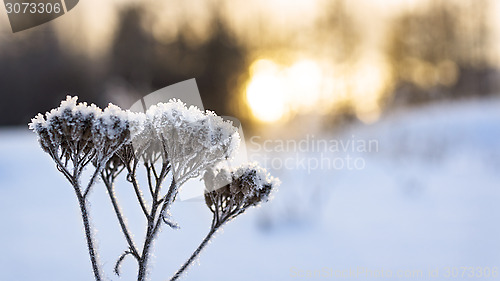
x=428, y=199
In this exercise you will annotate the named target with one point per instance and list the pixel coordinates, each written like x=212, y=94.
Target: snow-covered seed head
x=224, y=137
x=39, y=126
x=66, y=127
x=145, y=141
x=110, y=130
x=190, y=139
x=230, y=192
x=85, y=116
x=193, y=139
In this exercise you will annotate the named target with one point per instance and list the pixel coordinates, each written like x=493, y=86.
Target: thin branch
x=85, y=160
x=216, y=208
x=119, y=261
x=159, y=180
x=167, y=200
x=116, y=207
x=120, y=170
x=195, y=254
x=137, y=190
x=153, y=226
x=154, y=171
x=83, y=210
x=99, y=167
x=170, y=223
x=88, y=233
x=150, y=182
x=61, y=167
x=141, y=276
x=92, y=180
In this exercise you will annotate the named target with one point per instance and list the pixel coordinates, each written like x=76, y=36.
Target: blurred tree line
x=37, y=71
x=441, y=51
x=146, y=64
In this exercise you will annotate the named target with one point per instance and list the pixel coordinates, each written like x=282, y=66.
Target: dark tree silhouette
x=36, y=73
x=147, y=64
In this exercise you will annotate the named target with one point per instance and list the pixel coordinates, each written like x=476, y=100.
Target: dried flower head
x=110, y=131
x=229, y=193
x=39, y=126
x=145, y=141
x=193, y=140
x=66, y=129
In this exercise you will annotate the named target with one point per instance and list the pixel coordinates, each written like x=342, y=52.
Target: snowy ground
x=425, y=205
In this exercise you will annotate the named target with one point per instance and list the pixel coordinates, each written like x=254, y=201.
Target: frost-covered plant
x=74, y=136
x=170, y=141
x=229, y=193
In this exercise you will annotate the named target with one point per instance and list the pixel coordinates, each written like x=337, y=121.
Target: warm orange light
x=369, y=80
x=265, y=92
x=304, y=80
x=306, y=86
x=275, y=90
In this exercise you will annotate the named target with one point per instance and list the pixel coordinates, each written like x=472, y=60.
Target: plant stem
x=194, y=255
x=154, y=221
x=143, y=261
x=150, y=232
x=92, y=180
x=88, y=234
x=150, y=236
x=116, y=207
x=137, y=190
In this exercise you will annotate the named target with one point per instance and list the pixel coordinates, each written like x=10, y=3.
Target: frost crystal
x=110, y=131
x=137, y=122
x=144, y=138
x=37, y=123
x=193, y=140
x=39, y=126
x=229, y=192
x=66, y=128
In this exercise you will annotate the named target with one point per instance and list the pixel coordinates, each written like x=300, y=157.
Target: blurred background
x=419, y=78
x=263, y=62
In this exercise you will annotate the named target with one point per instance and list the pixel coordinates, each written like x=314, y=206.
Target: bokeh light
x=265, y=91
x=276, y=92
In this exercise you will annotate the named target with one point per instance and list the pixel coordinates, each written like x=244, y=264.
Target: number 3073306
x=33, y=8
